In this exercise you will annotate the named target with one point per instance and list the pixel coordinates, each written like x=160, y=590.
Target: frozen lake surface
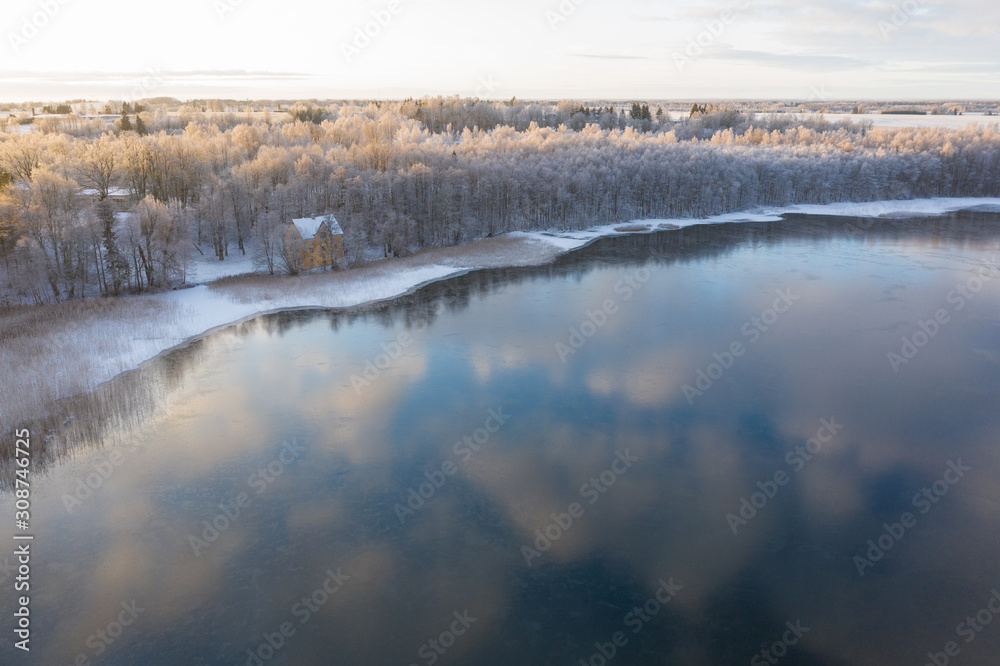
x=693, y=446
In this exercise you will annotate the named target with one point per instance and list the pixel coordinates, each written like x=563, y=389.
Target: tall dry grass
x=49, y=352
x=52, y=352
x=56, y=360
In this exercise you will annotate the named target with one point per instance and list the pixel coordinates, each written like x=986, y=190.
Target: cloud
x=810, y=62
x=184, y=84
x=607, y=56
x=955, y=67
x=634, y=38
x=22, y=76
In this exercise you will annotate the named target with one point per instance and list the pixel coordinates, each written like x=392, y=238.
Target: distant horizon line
x=573, y=98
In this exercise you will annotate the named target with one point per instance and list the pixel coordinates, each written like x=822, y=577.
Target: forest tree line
x=411, y=174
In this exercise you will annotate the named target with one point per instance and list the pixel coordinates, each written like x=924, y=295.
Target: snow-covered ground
x=204, y=308
x=91, y=351
x=883, y=120
x=910, y=207
x=895, y=121
x=206, y=268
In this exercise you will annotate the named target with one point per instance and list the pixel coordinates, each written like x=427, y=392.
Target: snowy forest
x=400, y=176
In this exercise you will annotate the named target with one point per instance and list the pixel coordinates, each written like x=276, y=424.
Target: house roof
x=112, y=192
x=308, y=226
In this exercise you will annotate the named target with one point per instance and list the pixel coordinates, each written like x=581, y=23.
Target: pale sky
x=837, y=49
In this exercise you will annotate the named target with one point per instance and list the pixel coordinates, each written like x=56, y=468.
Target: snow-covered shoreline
x=572, y=240
x=207, y=310
x=195, y=312
x=211, y=310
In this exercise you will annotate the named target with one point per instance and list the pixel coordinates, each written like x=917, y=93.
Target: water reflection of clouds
x=664, y=517
x=692, y=537
x=884, y=434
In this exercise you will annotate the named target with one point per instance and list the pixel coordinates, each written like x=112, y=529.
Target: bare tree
x=290, y=248
x=99, y=164
x=19, y=156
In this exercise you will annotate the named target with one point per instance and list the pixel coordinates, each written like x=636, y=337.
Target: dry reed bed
x=52, y=352
x=55, y=351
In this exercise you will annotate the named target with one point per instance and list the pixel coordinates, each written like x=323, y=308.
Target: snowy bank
x=72, y=355
x=572, y=240
x=204, y=309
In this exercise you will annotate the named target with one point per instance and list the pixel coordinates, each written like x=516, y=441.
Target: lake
x=748, y=443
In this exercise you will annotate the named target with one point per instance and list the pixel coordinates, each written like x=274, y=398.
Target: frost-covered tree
x=434, y=172
x=114, y=266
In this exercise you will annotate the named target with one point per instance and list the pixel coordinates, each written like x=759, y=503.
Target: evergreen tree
x=116, y=266
x=140, y=127
x=126, y=123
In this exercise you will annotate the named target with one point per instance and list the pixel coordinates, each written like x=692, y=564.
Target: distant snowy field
x=884, y=120
x=894, y=121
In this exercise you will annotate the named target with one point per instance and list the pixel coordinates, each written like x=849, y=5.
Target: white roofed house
x=314, y=242
x=119, y=197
